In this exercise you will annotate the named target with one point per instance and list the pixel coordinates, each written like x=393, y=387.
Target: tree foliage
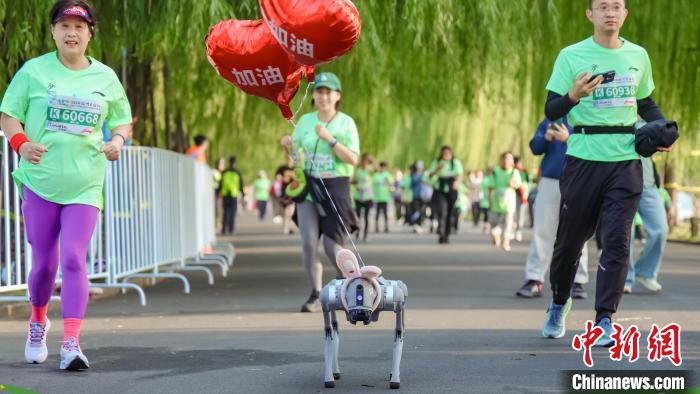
x=469, y=73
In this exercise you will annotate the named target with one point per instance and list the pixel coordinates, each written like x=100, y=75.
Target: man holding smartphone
x=549, y=140
x=602, y=174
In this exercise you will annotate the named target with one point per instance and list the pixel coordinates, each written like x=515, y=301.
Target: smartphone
x=608, y=77
x=552, y=124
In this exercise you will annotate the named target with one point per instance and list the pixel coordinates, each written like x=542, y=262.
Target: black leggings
x=445, y=207
x=365, y=206
x=381, y=210
x=229, y=219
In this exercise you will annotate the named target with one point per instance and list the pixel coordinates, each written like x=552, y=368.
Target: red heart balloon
x=246, y=54
x=313, y=31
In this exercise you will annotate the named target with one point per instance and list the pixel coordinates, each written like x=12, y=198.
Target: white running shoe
x=495, y=238
x=35, y=351
x=506, y=245
x=72, y=358
x=519, y=236
x=650, y=283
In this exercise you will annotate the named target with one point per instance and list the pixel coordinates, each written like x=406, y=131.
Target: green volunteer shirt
x=450, y=168
x=381, y=184
x=64, y=110
x=611, y=104
x=485, y=186
x=262, y=189
x=363, y=184
x=461, y=202
x=504, y=199
x=326, y=164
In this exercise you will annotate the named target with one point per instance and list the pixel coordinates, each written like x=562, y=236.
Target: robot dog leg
x=395, y=380
x=330, y=350
x=363, y=294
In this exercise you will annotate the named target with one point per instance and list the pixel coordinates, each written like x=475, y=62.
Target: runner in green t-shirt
x=331, y=148
x=52, y=114
x=447, y=172
x=485, y=202
x=381, y=185
x=603, y=175
x=503, y=183
x=364, y=192
x=262, y=193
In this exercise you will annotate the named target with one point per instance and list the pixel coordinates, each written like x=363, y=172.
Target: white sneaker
x=35, y=351
x=519, y=236
x=495, y=238
x=506, y=245
x=650, y=283
x=72, y=358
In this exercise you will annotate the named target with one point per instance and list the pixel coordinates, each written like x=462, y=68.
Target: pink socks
x=71, y=328
x=39, y=314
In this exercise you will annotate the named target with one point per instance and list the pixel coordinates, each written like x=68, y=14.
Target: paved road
x=466, y=332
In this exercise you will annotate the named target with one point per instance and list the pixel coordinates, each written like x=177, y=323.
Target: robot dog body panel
x=358, y=298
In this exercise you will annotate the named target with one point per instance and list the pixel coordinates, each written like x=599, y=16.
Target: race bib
x=73, y=115
x=622, y=92
x=322, y=165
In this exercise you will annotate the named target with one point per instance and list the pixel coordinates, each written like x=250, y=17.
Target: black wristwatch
x=332, y=143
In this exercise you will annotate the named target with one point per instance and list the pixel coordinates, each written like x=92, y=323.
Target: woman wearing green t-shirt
x=505, y=179
x=381, y=185
x=52, y=114
x=330, y=145
x=364, y=194
x=262, y=194
x=448, y=172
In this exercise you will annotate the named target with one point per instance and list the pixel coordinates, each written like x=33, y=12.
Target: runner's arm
x=345, y=154
x=123, y=130
x=10, y=126
x=538, y=144
x=557, y=106
x=29, y=150
x=648, y=110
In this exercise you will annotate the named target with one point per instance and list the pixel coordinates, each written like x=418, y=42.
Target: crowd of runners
x=590, y=185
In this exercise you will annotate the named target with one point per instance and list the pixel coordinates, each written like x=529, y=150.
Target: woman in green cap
x=330, y=145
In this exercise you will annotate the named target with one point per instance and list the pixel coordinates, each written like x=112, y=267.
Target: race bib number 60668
x=73, y=115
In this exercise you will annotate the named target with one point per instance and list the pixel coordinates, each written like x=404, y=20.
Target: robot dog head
x=360, y=298
x=360, y=292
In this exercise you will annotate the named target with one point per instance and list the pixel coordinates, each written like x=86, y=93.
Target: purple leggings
x=44, y=221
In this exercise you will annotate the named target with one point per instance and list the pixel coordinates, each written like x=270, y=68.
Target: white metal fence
x=158, y=219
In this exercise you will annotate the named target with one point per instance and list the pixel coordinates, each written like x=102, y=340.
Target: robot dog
x=363, y=294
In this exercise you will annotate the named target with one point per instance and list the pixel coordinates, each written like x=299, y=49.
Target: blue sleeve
x=538, y=145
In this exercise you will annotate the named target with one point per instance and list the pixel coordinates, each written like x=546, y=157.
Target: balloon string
x=301, y=103
x=313, y=165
